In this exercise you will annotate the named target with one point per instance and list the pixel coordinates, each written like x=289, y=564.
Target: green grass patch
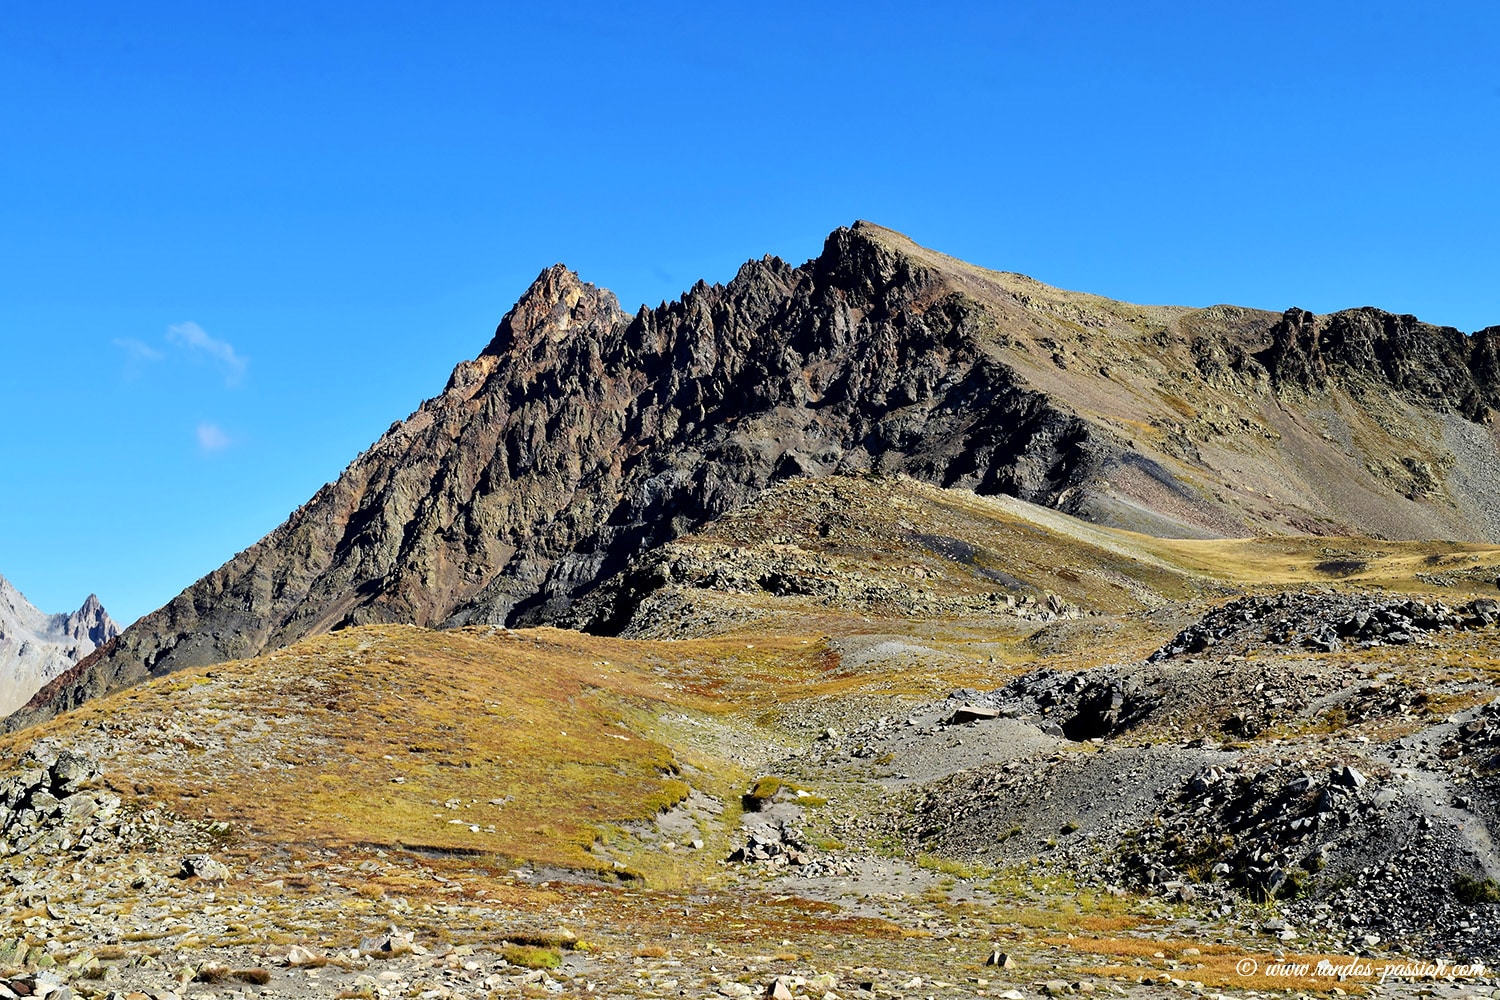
x=769, y=788
x=532, y=957
x=956, y=869
x=1476, y=890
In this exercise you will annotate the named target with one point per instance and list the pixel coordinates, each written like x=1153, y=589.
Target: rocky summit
x=583, y=436
x=880, y=627
x=37, y=647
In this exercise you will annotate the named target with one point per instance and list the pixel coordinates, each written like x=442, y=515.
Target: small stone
x=299, y=957
x=13, y=952
x=388, y=945
x=203, y=867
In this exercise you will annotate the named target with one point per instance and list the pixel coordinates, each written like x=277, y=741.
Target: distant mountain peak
x=36, y=647
x=92, y=623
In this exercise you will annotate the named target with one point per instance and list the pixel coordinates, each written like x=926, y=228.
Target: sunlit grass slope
x=469, y=741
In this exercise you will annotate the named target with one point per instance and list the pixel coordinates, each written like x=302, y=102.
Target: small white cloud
x=138, y=350
x=211, y=438
x=194, y=339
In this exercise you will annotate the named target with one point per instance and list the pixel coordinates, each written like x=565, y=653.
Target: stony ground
x=103, y=903
x=876, y=788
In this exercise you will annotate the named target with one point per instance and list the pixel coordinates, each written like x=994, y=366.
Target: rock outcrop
x=583, y=436
x=47, y=805
x=36, y=647
x=1368, y=350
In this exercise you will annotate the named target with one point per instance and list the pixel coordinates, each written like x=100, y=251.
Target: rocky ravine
x=36, y=647
x=583, y=436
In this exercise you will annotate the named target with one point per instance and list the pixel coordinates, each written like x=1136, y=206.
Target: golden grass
x=1176, y=567
x=520, y=745
x=1288, y=561
x=465, y=742
x=1100, y=568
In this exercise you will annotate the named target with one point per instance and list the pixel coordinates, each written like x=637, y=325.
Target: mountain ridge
x=583, y=436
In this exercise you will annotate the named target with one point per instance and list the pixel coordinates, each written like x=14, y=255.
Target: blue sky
x=235, y=245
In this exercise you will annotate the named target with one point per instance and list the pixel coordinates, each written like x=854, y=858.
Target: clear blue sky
x=235, y=244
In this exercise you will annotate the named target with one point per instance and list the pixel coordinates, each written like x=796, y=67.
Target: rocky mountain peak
x=866, y=261
x=1369, y=349
x=556, y=304
x=91, y=622
x=582, y=437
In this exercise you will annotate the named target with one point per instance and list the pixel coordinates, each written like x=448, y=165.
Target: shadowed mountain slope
x=583, y=436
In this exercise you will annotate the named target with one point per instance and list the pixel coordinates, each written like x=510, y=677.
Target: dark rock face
x=1367, y=349
x=639, y=429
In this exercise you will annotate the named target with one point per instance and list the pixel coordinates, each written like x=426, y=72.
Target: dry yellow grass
x=521, y=745
x=518, y=745
x=951, y=543
x=529, y=744
x=481, y=746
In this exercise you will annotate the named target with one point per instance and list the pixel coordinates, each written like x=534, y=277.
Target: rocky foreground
x=111, y=903
x=1115, y=829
